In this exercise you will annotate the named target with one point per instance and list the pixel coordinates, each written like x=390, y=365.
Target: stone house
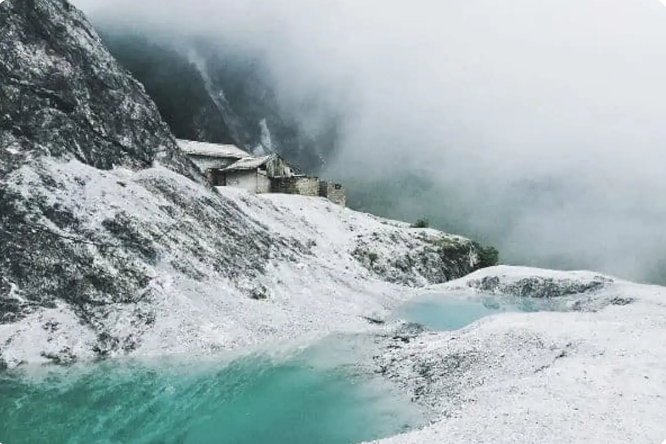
x=227, y=165
x=254, y=174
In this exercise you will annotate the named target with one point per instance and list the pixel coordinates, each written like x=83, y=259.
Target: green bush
x=488, y=257
x=421, y=223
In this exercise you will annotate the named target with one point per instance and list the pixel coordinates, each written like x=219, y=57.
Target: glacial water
x=247, y=401
x=444, y=312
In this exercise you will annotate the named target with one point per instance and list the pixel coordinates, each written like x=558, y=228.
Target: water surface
x=451, y=311
x=249, y=401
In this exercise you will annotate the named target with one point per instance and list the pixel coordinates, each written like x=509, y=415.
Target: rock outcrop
x=416, y=257
x=63, y=95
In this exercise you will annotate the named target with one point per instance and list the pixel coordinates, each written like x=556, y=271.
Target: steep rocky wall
x=64, y=95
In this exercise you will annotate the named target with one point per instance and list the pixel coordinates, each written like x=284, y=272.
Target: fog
x=537, y=126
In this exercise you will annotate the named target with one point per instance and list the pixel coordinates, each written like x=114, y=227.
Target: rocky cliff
x=111, y=242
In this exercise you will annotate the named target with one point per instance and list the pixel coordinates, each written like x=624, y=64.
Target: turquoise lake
x=248, y=401
x=444, y=312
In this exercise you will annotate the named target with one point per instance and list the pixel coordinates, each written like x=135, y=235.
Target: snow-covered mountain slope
x=593, y=375
x=388, y=249
x=112, y=243
x=151, y=262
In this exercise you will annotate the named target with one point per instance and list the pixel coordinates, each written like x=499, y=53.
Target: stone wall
x=333, y=192
x=306, y=186
x=246, y=179
x=264, y=184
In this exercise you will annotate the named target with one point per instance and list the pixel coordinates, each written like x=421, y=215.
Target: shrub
x=421, y=223
x=488, y=257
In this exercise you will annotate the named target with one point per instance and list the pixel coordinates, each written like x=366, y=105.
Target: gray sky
x=484, y=98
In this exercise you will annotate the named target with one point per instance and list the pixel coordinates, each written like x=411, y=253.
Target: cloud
x=538, y=125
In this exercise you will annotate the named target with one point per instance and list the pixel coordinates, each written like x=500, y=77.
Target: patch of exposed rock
x=64, y=95
x=416, y=257
x=538, y=286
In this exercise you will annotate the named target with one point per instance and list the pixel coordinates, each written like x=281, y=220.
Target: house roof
x=212, y=149
x=248, y=163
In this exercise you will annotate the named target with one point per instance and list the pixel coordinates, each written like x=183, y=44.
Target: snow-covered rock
x=112, y=243
x=593, y=376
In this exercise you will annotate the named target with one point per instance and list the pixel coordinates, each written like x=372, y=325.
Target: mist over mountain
x=535, y=126
x=211, y=93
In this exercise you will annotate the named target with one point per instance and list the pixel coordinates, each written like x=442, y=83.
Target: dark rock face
x=64, y=95
x=174, y=84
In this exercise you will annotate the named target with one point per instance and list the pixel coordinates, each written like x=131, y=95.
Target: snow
x=249, y=163
x=266, y=139
x=54, y=329
x=211, y=149
x=593, y=375
x=578, y=377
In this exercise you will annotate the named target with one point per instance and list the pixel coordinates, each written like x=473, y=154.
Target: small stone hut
x=227, y=165
x=254, y=174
